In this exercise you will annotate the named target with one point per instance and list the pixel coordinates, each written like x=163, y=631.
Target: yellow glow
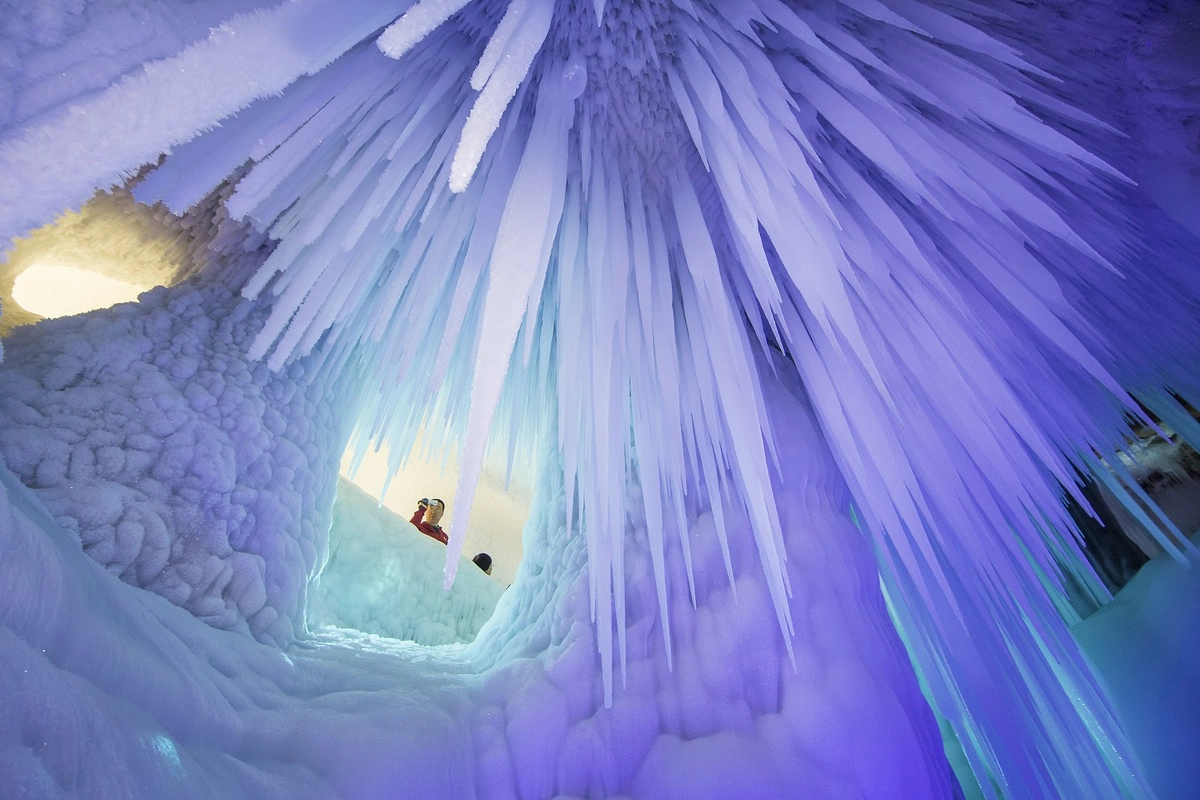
x=57, y=266
x=57, y=290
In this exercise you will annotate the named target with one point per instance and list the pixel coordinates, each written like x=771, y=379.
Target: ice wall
x=384, y=577
x=112, y=691
x=176, y=463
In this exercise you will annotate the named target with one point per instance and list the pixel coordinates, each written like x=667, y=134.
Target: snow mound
x=385, y=577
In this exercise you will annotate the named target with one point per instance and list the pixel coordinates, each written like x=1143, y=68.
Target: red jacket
x=434, y=531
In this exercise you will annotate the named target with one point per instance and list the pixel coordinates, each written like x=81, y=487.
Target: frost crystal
x=615, y=223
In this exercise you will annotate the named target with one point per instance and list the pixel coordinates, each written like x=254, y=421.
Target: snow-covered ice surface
x=604, y=235
x=384, y=577
x=110, y=691
x=59, y=50
x=175, y=66
x=178, y=465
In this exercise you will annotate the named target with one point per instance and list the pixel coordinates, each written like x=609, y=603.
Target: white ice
x=784, y=301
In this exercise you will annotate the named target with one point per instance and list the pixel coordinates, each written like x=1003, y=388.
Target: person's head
x=484, y=562
x=434, y=511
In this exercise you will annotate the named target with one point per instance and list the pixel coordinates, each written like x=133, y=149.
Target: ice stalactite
x=597, y=220
x=742, y=711
x=875, y=190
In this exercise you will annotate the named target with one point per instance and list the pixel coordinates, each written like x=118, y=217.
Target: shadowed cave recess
x=822, y=325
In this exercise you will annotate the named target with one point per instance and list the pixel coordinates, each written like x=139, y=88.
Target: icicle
x=418, y=22
x=1129, y=492
x=647, y=446
x=497, y=46
x=745, y=430
x=529, y=219
x=492, y=102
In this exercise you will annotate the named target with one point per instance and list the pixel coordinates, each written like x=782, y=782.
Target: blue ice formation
x=613, y=237
x=384, y=577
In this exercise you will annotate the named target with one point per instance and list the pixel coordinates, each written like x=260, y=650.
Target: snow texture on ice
x=384, y=577
x=177, y=464
x=932, y=210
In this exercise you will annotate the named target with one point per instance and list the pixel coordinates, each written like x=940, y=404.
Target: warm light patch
x=57, y=290
x=108, y=252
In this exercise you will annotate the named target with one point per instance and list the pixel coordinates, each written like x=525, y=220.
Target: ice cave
x=843, y=357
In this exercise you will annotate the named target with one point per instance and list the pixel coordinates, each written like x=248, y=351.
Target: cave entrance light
x=499, y=511
x=108, y=252
x=384, y=577
x=53, y=290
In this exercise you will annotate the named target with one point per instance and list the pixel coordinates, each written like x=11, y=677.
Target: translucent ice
x=914, y=215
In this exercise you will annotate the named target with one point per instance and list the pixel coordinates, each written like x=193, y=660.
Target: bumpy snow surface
x=384, y=576
x=799, y=306
x=112, y=691
x=177, y=464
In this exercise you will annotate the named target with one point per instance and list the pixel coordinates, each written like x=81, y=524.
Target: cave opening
x=379, y=575
x=929, y=206
x=109, y=251
x=384, y=576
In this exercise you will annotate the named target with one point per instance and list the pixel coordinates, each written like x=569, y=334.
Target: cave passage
x=805, y=339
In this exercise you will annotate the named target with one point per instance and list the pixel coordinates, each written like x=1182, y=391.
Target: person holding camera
x=428, y=515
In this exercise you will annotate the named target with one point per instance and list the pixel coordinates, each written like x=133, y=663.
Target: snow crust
x=384, y=577
x=178, y=465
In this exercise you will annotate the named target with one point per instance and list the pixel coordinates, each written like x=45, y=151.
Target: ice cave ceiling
x=812, y=317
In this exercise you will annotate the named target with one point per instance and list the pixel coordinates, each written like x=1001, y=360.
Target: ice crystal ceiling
x=598, y=222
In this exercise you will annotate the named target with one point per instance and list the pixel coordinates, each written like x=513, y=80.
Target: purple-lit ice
x=809, y=315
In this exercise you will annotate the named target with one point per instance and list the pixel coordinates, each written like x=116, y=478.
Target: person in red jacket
x=428, y=515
